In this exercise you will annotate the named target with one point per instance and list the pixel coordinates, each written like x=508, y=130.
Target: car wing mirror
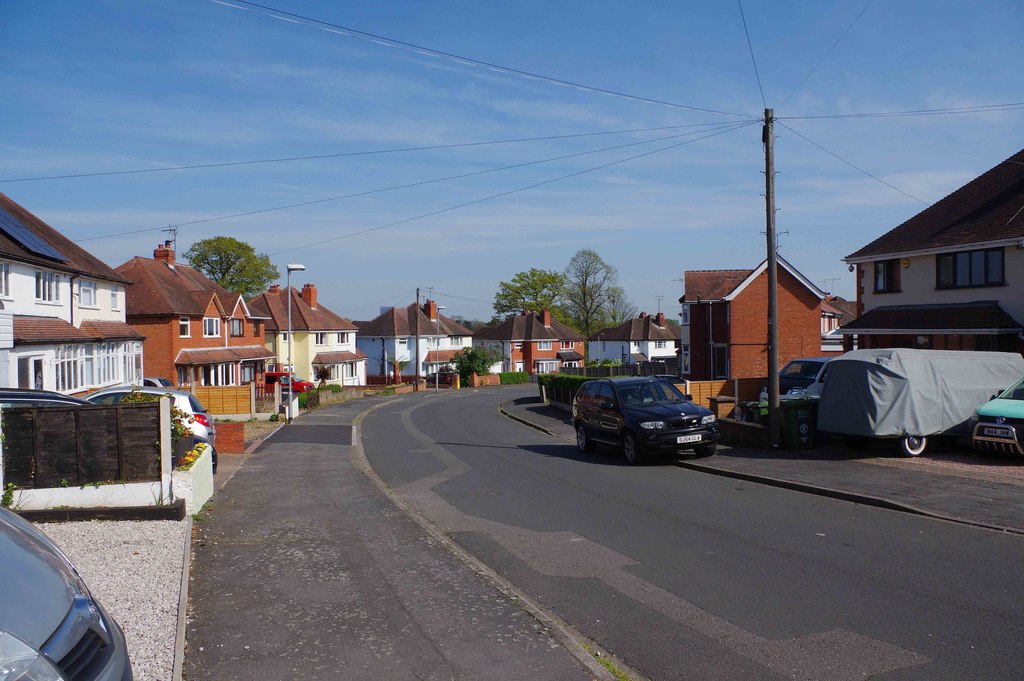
x=688, y=397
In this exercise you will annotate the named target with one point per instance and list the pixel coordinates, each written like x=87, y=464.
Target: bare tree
x=590, y=285
x=620, y=308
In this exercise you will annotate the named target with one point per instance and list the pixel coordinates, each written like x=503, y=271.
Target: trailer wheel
x=913, y=445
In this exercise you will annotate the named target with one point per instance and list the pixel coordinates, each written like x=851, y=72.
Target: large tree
x=233, y=264
x=591, y=285
x=620, y=307
x=533, y=290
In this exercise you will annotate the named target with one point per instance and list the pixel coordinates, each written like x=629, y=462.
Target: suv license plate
x=996, y=432
x=683, y=439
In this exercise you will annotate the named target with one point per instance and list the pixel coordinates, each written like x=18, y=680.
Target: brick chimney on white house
x=430, y=309
x=660, y=320
x=309, y=294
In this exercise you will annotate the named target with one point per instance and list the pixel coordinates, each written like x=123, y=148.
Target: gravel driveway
x=134, y=569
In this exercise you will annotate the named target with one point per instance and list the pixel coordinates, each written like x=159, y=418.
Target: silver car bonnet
x=39, y=587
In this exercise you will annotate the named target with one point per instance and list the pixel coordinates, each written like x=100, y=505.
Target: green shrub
x=333, y=388
x=303, y=399
x=561, y=387
x=514, y=377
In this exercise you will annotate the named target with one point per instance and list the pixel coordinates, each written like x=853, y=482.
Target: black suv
x=643, y=416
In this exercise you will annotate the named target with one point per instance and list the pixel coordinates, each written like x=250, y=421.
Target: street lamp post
x=292, y=267
x=437, y=370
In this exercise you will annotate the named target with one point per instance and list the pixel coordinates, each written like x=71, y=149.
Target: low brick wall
x=490, y=379
x=231, y=438
x=743, y=434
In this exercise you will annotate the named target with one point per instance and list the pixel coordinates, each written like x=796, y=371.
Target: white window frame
x=684, y=360
x=544, y=345
x=115, y=298
x=87, y=293
x=567, y=345
x=5, y=280
x=684, y=319
x=211, y=322
x=186, y=323
x=660, y=344
x=240, y=324
x=47, y=287
x=320, y=338
x=342, y=338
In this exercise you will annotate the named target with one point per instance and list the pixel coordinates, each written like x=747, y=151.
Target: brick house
x=835, y=312
x=198, y=332
x=62, y=311
x=533, y=342
x=952, y=276
x=321, y=337
x=391, y=337
x=726, y=311
x=646, y=338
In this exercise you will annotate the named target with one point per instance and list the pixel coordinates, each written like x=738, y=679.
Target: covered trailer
x=911, y=394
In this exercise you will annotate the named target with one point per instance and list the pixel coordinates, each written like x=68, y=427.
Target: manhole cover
x=484, y=493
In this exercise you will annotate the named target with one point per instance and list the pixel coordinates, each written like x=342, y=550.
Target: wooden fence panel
x=55, y=435
x=18, y=429
x=74, y=446
x=703, y=391
x=98, y=444
x=139, y=436
x=225, y=399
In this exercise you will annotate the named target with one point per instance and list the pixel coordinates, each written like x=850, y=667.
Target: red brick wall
x=159, y=349
x=799, y=312
x=231, y=438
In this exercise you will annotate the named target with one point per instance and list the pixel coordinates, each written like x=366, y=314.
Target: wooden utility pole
x=768, y=138
x=416, y=324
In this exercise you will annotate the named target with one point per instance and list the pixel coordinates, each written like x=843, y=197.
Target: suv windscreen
x=653, y=392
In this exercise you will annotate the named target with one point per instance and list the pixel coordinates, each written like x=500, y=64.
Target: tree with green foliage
x=233, y=264
x=475, y=360
x=533, y=290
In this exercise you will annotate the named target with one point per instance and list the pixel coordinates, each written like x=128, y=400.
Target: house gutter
x=974, y=245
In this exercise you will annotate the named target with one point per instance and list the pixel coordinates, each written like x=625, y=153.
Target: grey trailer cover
x=897, y=392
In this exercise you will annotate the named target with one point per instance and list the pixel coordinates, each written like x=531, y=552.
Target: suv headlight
x=710, y=418
x=19, y=660
x=652, y=425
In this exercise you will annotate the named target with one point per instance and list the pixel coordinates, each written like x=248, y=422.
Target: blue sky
x=112, y=85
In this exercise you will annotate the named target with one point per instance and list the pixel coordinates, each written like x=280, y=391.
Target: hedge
x=514, y=377
x=561, y=387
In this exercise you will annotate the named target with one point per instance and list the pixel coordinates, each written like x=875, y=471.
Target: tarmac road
x=686, y=575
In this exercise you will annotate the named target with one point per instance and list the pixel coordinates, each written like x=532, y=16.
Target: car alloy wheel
x=631, y=448
x=582, y=441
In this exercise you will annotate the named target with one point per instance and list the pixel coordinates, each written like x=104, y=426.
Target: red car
x=282, y=377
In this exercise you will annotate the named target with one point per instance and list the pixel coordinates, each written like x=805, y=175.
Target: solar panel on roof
x=31, y=241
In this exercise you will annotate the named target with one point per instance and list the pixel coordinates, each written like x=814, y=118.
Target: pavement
x=887, y=481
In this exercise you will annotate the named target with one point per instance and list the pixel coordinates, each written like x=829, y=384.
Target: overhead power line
x=510, y=192
x=857, y=168
x=406, y=186
x=751, y=47
x=434, y=147
x=827, y=52
x=468, y=61
x=982, y=108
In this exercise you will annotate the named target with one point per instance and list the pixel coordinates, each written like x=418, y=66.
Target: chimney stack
x=309, y=294
x=545, y=317
x=164, y=253
x=660, y=319
x=430, y=309
x=274, y=288
x=643, y=315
